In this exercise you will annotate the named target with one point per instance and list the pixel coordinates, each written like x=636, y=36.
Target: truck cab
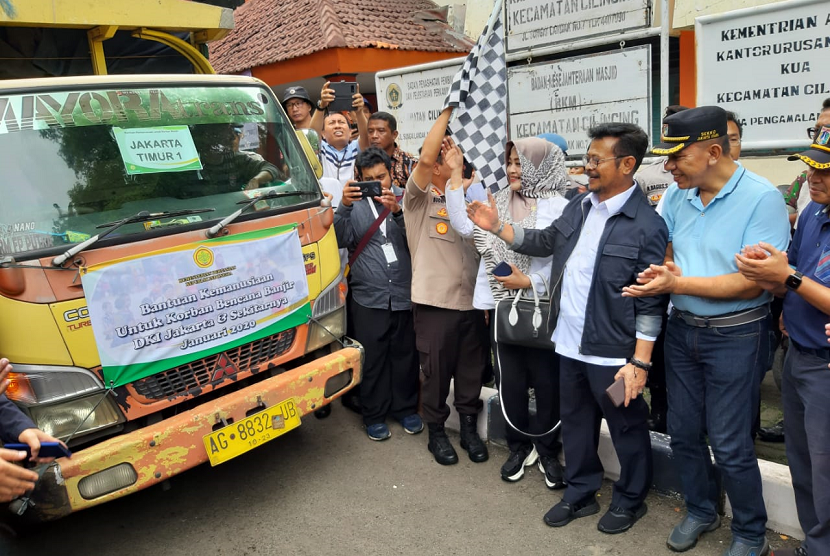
x=171, y=291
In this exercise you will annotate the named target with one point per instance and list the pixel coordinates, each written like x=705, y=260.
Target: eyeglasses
x=594, y=162
x=811, y=132
x=289, y=105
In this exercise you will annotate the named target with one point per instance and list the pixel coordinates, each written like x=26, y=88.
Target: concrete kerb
x=779, y=498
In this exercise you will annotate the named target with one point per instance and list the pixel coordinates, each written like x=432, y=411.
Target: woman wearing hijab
x=534, y=199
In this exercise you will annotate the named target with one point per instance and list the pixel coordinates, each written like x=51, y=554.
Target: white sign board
x=535, y=23
x=571, y=95
x=770, y=65
x=148, y=150
x=415, y=95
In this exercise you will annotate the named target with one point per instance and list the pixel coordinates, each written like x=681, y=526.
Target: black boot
x=470, y=440
x=440, y=445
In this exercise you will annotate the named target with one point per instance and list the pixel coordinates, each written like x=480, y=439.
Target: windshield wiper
x=272, y=194
x=142, y=216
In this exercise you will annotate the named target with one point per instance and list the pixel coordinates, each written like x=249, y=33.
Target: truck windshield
x=75, y=159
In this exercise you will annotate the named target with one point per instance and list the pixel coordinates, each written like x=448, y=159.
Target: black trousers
x=584, y=404
x=656, y=381
x=450, y=347
x=390, y=370
x=520, y=368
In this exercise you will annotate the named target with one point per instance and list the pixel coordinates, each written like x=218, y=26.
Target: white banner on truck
x=571, y=95
x=414, y=95
x=535, y=23
x=770, y=65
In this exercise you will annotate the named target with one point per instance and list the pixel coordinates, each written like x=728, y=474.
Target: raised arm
x=422, y=173
x=319, y=117
x=456, y=205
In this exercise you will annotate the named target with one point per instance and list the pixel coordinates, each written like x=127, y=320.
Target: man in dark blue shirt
x=380, y=308
x=803, y=277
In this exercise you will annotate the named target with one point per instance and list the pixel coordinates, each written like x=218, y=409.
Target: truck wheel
x=323, y=412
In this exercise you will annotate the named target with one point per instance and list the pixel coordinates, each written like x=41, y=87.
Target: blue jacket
x=633, y=239
x=12, y=421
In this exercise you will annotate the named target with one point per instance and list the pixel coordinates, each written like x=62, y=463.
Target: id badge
x=389, y=252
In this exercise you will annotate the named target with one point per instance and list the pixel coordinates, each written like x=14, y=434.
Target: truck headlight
x=325, y=330
x=328, y=322
x=331, y=298
x=62, y=419
x=39, y=384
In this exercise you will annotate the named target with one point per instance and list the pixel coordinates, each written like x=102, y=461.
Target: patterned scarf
x=543, y=176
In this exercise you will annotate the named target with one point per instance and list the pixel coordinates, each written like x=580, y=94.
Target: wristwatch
x=793, y=280
x=320, y=104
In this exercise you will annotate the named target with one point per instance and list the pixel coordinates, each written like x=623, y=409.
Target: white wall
x=685, y=11
x=471, y=15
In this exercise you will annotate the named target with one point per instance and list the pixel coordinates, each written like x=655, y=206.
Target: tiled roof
x=268, y=31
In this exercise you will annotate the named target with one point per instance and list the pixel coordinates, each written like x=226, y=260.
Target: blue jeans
x=805, y=390
x=713, y=381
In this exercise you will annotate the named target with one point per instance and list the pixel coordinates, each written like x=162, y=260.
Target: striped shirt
x=339, y=164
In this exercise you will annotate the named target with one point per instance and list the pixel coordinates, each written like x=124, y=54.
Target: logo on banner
x=394, y=96
x=203, y=257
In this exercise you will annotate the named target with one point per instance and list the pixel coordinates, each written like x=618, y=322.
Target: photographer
x=372, y=229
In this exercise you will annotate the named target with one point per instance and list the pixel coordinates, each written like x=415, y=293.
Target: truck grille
x=184, y=378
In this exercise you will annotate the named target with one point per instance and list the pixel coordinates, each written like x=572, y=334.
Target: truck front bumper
x=157, y=452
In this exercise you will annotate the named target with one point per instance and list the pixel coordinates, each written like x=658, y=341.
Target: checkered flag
x=479, y=96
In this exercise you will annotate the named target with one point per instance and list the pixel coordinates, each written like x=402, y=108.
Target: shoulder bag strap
x=364, y=241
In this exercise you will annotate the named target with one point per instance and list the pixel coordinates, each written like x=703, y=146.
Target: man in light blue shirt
x=717, y=338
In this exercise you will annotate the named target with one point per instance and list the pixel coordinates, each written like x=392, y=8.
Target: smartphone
x=468, y=169
x=617, y=392
x=502, y=269
x=47, y=450
x=343, y=93
x=369, y=189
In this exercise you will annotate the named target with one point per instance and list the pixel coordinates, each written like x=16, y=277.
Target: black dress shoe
x=439, y=445
x=774, y=433
x=565, y=512
x=618, y=520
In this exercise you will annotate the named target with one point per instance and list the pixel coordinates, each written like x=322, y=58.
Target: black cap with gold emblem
x=690, y=126
x=818, y=155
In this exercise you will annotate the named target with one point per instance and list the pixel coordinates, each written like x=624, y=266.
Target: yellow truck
x=171, y=291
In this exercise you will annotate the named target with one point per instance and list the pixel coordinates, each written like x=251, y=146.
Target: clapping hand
x=485, y=216
x=764, y=264
x=655, y=280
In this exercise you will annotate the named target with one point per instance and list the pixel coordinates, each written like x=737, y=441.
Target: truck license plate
x=251, y=432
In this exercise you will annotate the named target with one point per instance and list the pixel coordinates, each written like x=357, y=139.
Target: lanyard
x=375, y=212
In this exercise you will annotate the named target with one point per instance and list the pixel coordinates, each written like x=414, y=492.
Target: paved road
x=326, y=489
